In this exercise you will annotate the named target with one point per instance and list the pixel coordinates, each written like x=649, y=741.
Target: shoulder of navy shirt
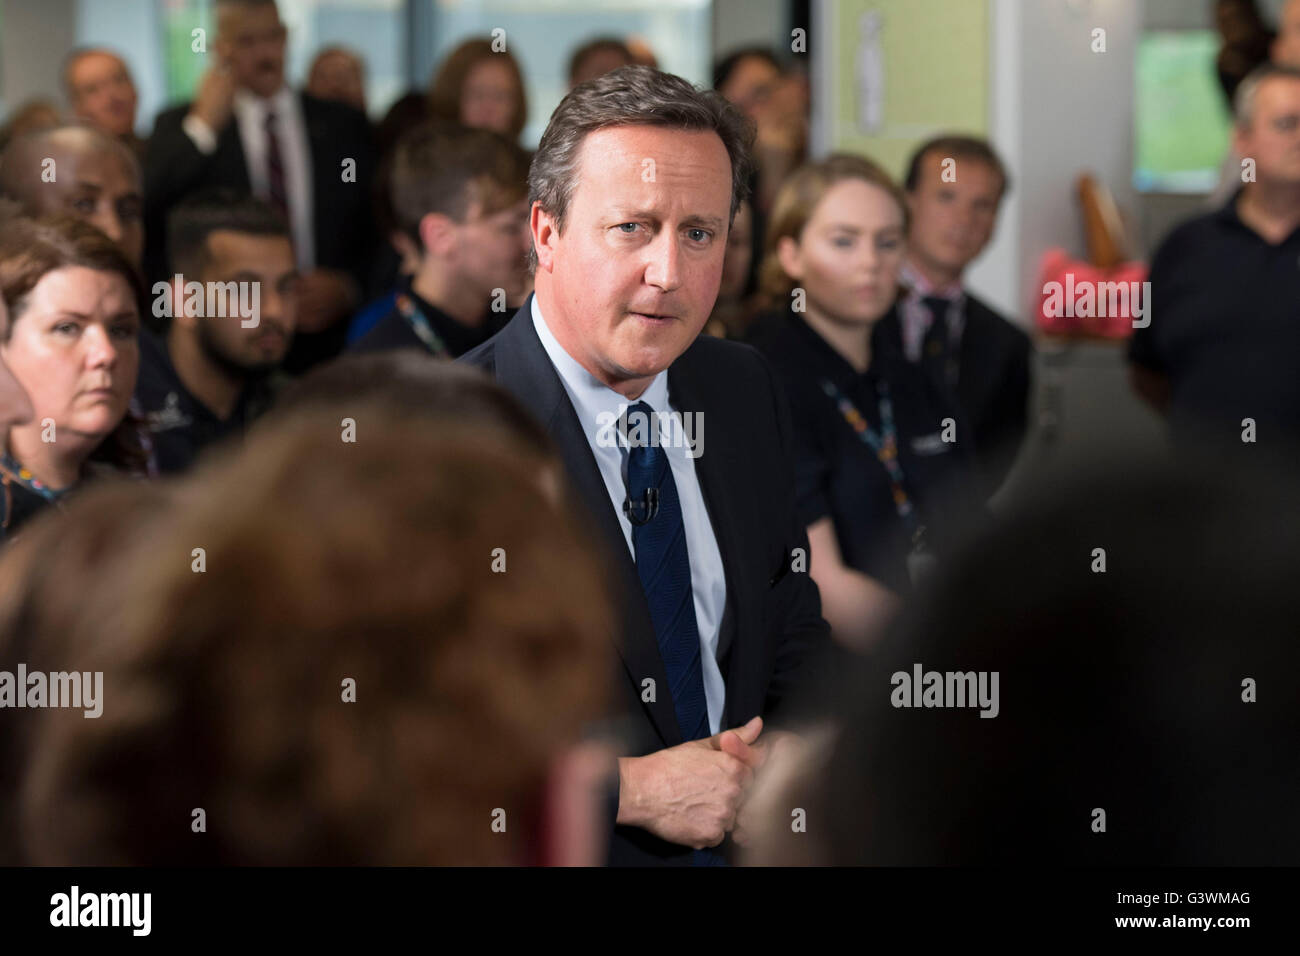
x=773, y=635
x=1223, y=329
x=393, y=331
x=180, y=426
x=840, y=477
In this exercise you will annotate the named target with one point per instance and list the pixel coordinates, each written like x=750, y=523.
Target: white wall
x=34, y=37
x=995, y=276
x=1076, y=115
x=740, y=23
x=1056, y=110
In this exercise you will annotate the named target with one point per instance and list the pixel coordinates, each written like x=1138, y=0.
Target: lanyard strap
x=885, y=444
x=419, y=324
x=16, y=472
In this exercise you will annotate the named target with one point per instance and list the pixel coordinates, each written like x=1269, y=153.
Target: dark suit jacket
x=773, y=637
x=341, y=221
x=993, y=383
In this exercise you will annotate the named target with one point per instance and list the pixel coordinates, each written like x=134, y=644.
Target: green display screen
x=1181, y=119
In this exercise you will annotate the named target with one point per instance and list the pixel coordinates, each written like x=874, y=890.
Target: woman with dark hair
x=71, y=344
x=1245, y=40
x=482, y=88
x=883, y=460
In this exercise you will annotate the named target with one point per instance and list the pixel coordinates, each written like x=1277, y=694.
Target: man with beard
x=310, y=159
x=209, y=375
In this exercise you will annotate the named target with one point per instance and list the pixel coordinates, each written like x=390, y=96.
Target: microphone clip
x=641, y=511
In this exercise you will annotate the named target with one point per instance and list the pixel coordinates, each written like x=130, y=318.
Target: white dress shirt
x=295, y=154
x=590, y=399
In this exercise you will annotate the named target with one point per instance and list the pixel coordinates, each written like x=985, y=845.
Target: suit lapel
x=232, y=142
x=325, y=170
x=974, y=363
x=523, y=363
x=717, y=460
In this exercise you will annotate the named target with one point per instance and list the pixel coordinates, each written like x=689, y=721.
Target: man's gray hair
x=631, y=96
x=1243, y=104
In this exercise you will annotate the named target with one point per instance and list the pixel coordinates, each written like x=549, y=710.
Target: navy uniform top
x=840, y=476
x=414, y=322
x=179, y=425
x=1225, y=330
x=19, y=502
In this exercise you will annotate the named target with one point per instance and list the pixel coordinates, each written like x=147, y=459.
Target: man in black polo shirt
x=461, y=196
x=1219, y=356
x=230, y=315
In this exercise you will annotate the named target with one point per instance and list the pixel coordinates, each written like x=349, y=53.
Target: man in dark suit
x=632, y=191
x=308, y=158
x=954, y=186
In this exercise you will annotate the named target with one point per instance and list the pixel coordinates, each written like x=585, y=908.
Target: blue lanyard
x=885, y=444
x=419, y=324
x=29, y=481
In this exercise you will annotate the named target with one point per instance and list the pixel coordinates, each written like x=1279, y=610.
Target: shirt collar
x=458, y=337
x=919, y=287
x=591, y=398
x=1229, y=214
x=826, y=361
x=281, y=101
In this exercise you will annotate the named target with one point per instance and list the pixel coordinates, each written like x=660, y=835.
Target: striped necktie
x=275, y=167
x=664, y=567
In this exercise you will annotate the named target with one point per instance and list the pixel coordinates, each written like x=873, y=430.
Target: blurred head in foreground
x=407, y=385
x=1144, y=714
x=378, y=656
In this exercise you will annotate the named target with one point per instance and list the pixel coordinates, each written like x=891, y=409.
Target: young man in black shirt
x=230, y=309
x=1218, y=357
x=461, y=196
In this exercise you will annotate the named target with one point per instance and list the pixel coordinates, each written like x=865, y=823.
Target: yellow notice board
x=906, y=70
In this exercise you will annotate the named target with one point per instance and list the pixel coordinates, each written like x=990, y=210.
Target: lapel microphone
x=641, y=511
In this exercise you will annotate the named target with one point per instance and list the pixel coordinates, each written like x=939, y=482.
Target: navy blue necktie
x=936, y=349
x=664, y=567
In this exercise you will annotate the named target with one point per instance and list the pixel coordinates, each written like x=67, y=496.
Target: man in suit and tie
x=954, y=186
x=632, y=191
x=310, y=159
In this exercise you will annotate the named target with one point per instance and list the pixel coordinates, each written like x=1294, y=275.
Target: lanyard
x=419, y=324
x=885, y=444
x=25, y=478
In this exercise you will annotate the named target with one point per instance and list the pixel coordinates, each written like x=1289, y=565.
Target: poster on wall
x=900, y=71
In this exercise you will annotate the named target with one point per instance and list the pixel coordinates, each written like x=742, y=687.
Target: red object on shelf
x=1080, y=299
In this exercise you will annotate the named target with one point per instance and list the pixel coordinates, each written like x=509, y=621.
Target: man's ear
x=1239, y=136
x=787, y=253
x=438, y=235
x=544, y=233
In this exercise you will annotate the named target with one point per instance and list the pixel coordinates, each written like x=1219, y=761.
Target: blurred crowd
x=243, y=479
